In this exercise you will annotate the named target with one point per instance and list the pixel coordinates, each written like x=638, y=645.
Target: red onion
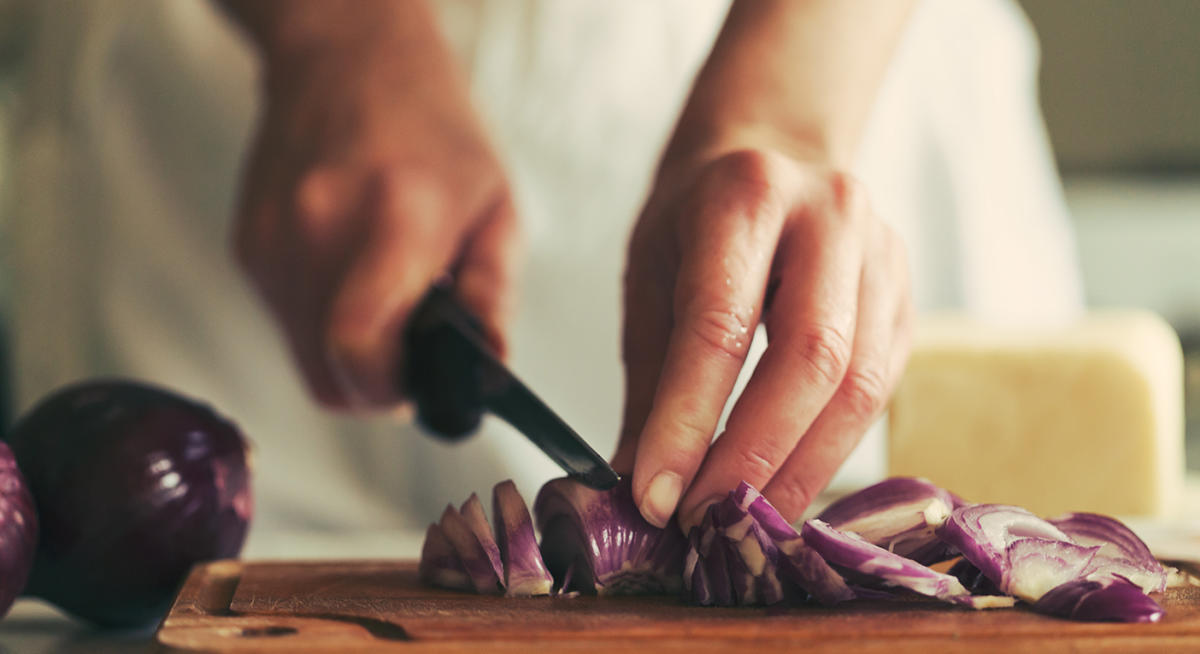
x=899, y=515
x=18, y=530
x=875, y=564
x=1103, y=597
x=983, y=533
x=475, y=552
x=602, y=538
x=525, y=573
x=440, y=565
x=134, y=485
x=1121, y=551
x=798, y=563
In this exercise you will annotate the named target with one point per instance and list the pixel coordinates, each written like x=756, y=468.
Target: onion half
x=602, y=538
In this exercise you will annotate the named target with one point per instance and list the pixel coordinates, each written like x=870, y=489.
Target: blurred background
x=1120, y=87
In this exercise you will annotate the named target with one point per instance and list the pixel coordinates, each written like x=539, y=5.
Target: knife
x=453, y=375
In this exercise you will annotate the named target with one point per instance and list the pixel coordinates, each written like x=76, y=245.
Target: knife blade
x=454, y=375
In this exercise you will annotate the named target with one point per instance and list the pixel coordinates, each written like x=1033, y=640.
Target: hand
x=726, y=242
x=370, y=178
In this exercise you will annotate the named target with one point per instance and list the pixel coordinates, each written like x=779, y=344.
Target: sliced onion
x=525, y=573
x=614, y=549
x=983, y=532
x=898, y=514
x=440, y=565
x=1104, y=597
x=798, y=563
x=1121, y=551
x=472, y=513
x=474, y=555
x=851, y=552
x=1036, y=565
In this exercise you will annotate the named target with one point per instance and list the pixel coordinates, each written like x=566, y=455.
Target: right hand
x=370, y=178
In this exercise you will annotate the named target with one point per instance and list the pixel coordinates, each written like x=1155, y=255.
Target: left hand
x=724, y=242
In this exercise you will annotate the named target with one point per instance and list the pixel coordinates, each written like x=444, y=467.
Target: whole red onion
x=18, y=530
x=134, y=485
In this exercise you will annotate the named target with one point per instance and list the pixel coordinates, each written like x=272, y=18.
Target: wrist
x=287, y=32
x=694, y=144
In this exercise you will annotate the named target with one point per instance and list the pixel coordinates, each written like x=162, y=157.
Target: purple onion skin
x=1106, y=598
x=18, y=530
x=986, y=546
x=134, y=485
x=440, y=565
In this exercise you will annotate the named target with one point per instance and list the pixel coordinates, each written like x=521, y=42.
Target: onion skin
x=472, y=551
x=898, y=514
x=1103, y=598
x=18, y=530
x=134, y=485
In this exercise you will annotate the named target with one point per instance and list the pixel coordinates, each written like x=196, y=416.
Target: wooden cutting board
x=234, y=606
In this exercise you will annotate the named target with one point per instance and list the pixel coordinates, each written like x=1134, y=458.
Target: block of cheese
x=1086, y=417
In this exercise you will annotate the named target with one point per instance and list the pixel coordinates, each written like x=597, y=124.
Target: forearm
x=796, y=75
x=289, y=28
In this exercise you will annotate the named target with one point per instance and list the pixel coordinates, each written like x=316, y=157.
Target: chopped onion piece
x=849, y=551
x=898, y=514
x=1105, y=597
x=983, y=532
x=798, y=563
x=525, y=573
x=1036, y=565
x=440, y=565
x=472, y=512
x=471, y=552
x=1121, y=551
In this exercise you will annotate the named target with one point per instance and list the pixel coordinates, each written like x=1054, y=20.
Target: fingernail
x=661, y=497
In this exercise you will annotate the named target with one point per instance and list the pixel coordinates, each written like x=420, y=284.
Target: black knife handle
x=443, y=372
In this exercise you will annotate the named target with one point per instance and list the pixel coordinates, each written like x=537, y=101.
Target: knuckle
x=749, y=182
x=825, y=350
x=723, y=329
x=864, y=391
x=759, y=460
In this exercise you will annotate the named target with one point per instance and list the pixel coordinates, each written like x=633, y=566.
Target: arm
x=369, y=178
x=751, y=196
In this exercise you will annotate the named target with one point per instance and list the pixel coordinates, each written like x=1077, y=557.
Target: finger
x=810, y=329
x=716, y=304
x=410, y=243
x=646, y=331
x=880, y=349
x=485, y=275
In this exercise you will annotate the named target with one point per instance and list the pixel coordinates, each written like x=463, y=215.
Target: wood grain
x=380, y=606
